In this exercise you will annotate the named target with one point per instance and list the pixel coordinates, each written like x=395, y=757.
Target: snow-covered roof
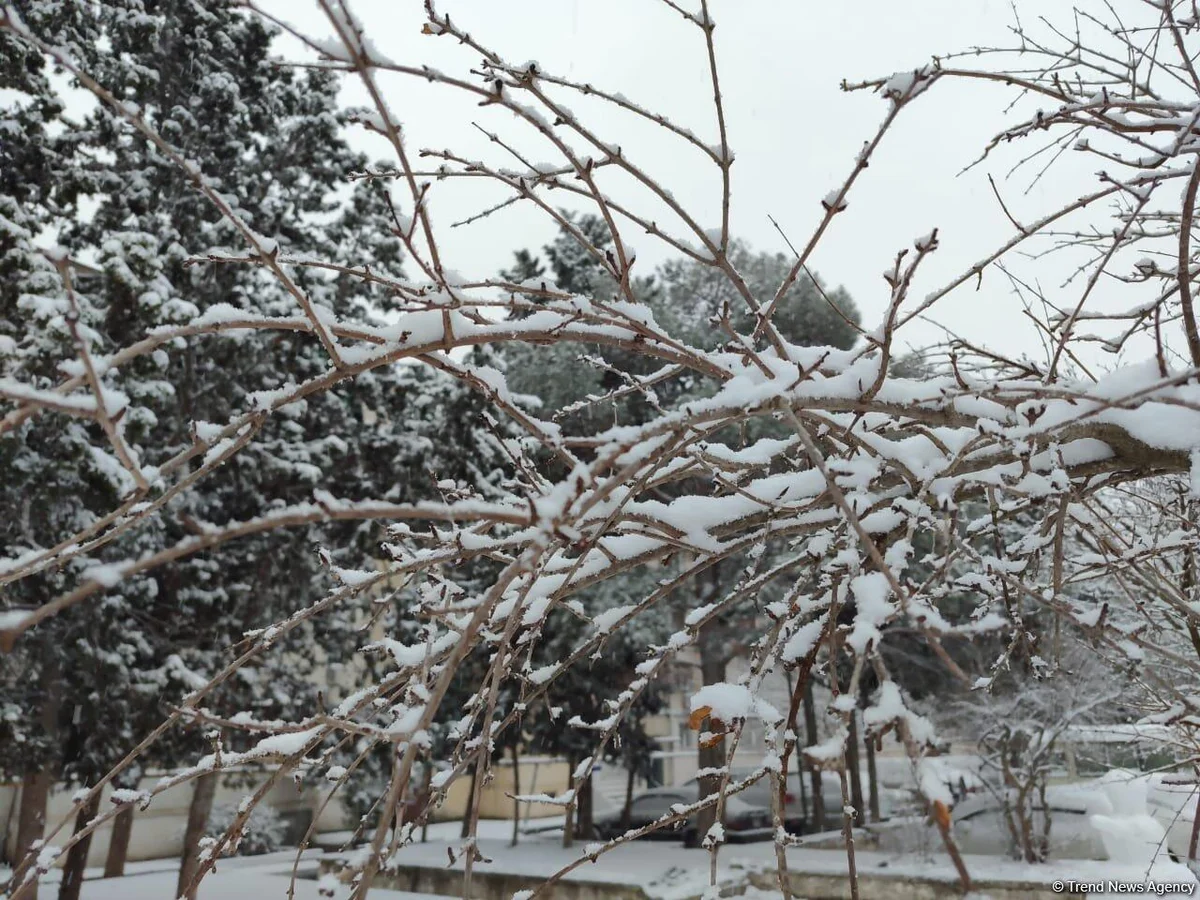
x=1117, y=733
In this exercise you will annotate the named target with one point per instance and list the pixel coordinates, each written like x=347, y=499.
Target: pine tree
x=55, y=471
x=700, y=306
x=270, y=140
x=694, y=296
x=555, y=375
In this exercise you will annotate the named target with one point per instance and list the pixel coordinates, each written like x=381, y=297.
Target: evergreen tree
x=555, y=374
x=84, y=686
x=694, y=297
x=690, y=300
x=57, y=470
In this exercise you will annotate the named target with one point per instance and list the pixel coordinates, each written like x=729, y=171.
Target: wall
x=539, y=775
x=157, y=830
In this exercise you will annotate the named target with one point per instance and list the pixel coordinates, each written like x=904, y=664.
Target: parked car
x=1173, y=807
x=798, y=801
x=980, y=827
x=743, y=821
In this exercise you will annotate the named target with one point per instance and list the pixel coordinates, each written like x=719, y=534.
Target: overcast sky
x=794, y=132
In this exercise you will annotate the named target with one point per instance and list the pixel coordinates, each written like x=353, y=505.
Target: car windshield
x=759, y=793
x=656, y=804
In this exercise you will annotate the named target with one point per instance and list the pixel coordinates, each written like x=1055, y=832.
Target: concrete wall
x=871, y=886
x=157, y=830
x=539, y=775
x=489, y=884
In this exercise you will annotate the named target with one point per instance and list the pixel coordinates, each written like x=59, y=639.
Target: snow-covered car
x=980, y=826
x=743, y=821
x=1118, y=814
x=1174, y=807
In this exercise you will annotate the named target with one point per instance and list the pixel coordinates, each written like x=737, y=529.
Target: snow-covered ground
x=665, y=869
x=238, y=878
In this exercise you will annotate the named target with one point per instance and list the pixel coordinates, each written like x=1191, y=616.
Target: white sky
x=794, y=132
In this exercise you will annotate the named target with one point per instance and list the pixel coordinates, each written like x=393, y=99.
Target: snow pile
x=1130, y=834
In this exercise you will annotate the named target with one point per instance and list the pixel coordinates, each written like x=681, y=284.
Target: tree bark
x=856, y=794
x=31, y=821
x=817, y=823
x=469, y=811
x=872, y=772
x=713, y=664
x=118, y=846
x=627, y=808
x=36, y=786
x=872, y=780
x=803, y=789
x=794, y=729
x=197, y=822
x=1195, y=837
x=941, y=816
x=583, y=826
x=72, y=878
x=569, y=820
x=427, y=793
x=516, y=761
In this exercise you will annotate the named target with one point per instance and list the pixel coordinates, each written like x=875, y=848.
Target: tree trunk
x=72, y=878
x=36, y=786
x=470, y=810
x=869, y=745
x=712, y=670
x=569, y=821
x=803, y=789
x=627, y=808
x=856, y=795
x=583, y=815
x=31, y=821
x=197, y=822
x=427, y=793
x=1195, y=835
x=516, y=761
x=118, y=846
x=817, y=823
x=794, y=729
x=872, y=780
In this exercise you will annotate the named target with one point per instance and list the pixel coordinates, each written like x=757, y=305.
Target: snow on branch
x=857, y=499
